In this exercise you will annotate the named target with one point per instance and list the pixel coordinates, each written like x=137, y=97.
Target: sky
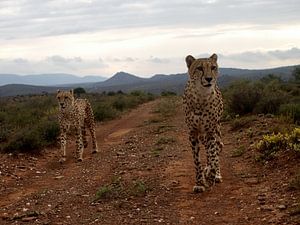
x=146, y=37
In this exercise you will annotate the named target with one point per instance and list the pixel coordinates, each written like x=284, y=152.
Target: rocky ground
x=144, y=174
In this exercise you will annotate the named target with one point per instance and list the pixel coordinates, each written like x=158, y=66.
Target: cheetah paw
x=218, y=179
x=198, y=189
x=62, y=160
x=95, y=151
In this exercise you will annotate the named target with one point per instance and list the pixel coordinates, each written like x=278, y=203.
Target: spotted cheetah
x=77, y=113
x=203, y=105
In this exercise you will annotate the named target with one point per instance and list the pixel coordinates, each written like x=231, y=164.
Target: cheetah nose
x=208, y=79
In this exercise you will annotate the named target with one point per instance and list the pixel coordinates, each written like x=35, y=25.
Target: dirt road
x=144, y=174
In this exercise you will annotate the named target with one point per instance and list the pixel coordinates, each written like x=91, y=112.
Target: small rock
x=27, y=219
x=59, y=177
x=267, y=208
x=252, y=180
x=120, y=153
x=22, y=167
x=5, y=216
x=281, y=207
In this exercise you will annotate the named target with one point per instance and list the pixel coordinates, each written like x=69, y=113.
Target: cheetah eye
x=200, y=68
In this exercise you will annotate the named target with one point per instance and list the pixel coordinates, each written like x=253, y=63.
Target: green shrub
x=242, y=96
x=137, y=93
x=104, y=112
x=138, y=188
x=270, y=102
x=24, y=142
x=238, y=151
x=4, y=134
x=168, y=93
x=271, y=144
x=167, y=106
x=103, y=192
x=241, y=122
x=49, y=131
x=291, y=110
x=165, y=140
x=294, y=140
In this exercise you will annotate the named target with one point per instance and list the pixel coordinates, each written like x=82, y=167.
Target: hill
x=22, y=89
x=56, y=79
x=155, y=84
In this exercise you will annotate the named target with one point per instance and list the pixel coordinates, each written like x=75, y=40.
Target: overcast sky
x=102, y=37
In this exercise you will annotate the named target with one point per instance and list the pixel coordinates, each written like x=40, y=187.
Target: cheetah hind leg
x=210, y=177
x=218, y=178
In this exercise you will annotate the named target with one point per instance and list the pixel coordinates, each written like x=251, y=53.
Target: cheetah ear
x=214, y=57
x=58, y=90
x=189, y=60
x=71, y=91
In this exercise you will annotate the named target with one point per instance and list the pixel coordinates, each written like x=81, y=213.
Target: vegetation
x=119, y=188
x=271, y=144
x=29, y=123
x=269, y=95
x=238, y=151
x=167, y=106
x=78, y=91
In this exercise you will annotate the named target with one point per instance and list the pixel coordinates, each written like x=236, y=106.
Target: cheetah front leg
x=79, y=143
x=220, y=144
x=212, y=170
x=92, y=127
x=200, y=181
x=63, y=143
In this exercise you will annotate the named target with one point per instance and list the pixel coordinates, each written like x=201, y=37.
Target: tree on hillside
x=296, y=74
x=270, y=78
x=78, y=91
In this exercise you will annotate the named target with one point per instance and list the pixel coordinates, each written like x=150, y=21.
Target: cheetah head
x=65, y=99
x=203, y=71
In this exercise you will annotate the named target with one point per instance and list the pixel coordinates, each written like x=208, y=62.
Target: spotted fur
x=77, y=113
x=203, y=107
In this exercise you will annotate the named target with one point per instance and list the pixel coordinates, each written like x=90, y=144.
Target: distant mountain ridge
x=47, y=79
x=156, y=84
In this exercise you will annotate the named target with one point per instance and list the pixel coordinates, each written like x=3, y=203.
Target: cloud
x=35, y=18
x=146, y=66
x=20, y=61
x=59, y=59
x=262, y=59
x=54, y=64
x=158, y=60
x=124, y=59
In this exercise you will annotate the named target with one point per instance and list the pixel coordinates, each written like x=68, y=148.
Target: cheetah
x=77, y=113
x=203, y=106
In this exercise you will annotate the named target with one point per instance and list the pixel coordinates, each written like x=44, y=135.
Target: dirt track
x=146, y=160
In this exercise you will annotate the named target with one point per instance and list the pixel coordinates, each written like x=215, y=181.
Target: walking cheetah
x=77, y=113
x=203, y=107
